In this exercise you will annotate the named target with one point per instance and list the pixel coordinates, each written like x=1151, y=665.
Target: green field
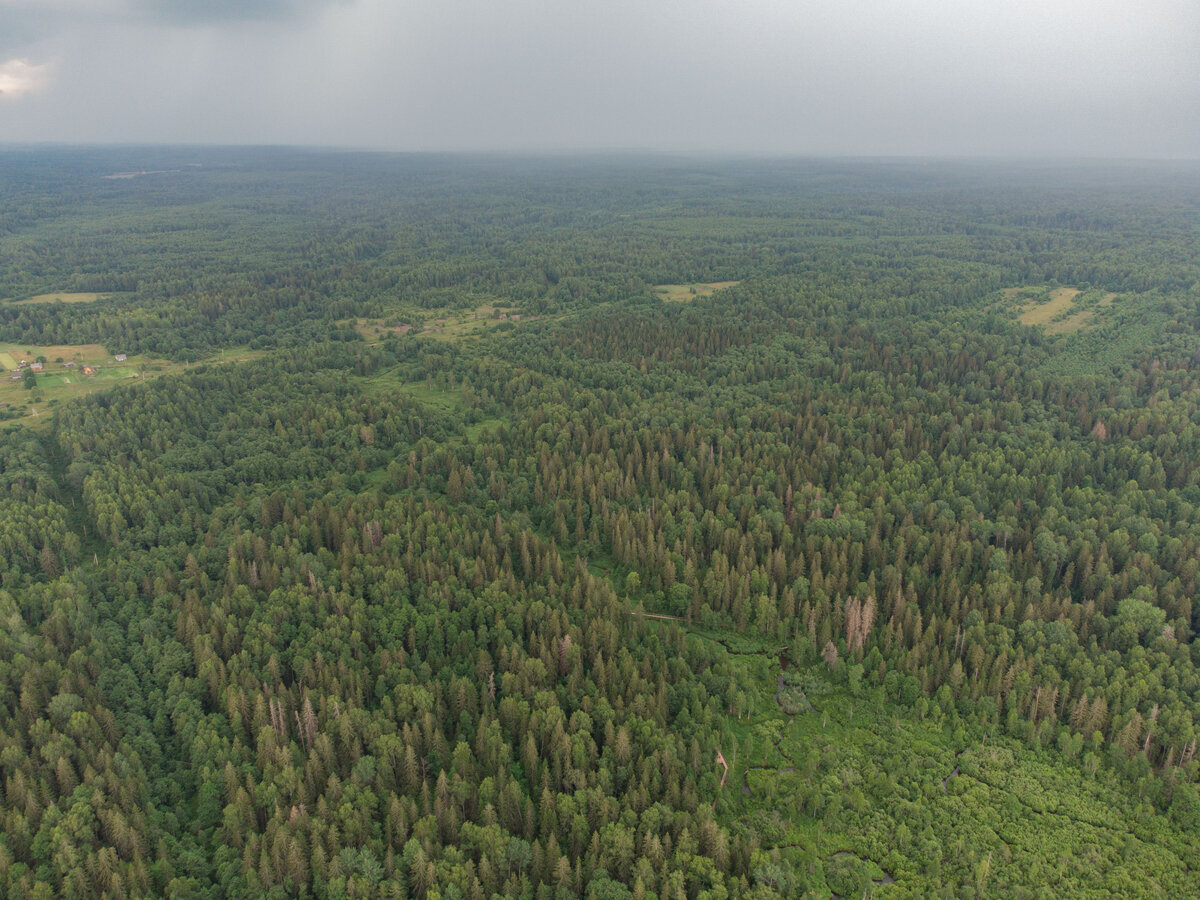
x=64, y=297
x=1062, y=310
x=685, y=293
x=59, y=383
x=442, y=324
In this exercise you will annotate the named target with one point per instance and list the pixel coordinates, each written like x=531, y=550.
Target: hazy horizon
x=1061, y=80
x=632, y=154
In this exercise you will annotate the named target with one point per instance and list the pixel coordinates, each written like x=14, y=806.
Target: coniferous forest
x=609, y=527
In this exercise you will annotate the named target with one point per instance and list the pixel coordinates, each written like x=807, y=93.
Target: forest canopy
x=600, y=528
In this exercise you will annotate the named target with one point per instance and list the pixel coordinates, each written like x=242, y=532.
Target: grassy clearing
x=64, y=297
x=474, y=431
x=1062, y=310
x=686, y=293
x=1049, y=305
x=451, y=400
x=75, y=370
x=442, y=325
x=1081, y=317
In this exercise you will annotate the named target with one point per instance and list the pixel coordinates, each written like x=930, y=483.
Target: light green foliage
x=863, y=792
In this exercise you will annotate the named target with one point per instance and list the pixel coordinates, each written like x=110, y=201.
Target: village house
x=37, y=366
x=121, y=357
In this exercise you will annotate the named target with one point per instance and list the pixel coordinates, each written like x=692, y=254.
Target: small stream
x=946, y=780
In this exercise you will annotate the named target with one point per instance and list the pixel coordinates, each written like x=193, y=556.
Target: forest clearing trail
x=646, y=615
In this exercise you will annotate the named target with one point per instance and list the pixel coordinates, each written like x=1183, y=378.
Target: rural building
x=121, y=357
x=37, y=367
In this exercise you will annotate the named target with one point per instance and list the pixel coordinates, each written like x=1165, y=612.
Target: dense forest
x=601, y=528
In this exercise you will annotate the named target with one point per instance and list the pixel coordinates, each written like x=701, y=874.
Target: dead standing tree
x=724, y=775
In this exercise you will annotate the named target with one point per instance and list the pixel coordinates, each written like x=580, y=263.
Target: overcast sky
x=1091, y=78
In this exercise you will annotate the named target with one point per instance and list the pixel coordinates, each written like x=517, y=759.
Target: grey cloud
x=25, y=23
x=217, y=12
x=993, y=77
x=21, y=28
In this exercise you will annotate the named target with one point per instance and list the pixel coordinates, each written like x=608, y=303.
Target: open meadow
x=71, y=371
x=686, y=293
x=1061, y=310
x=440, y=324
x=64, y=297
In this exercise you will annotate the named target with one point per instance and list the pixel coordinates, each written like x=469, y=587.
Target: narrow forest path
x=646, y=615
x=71, y=497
